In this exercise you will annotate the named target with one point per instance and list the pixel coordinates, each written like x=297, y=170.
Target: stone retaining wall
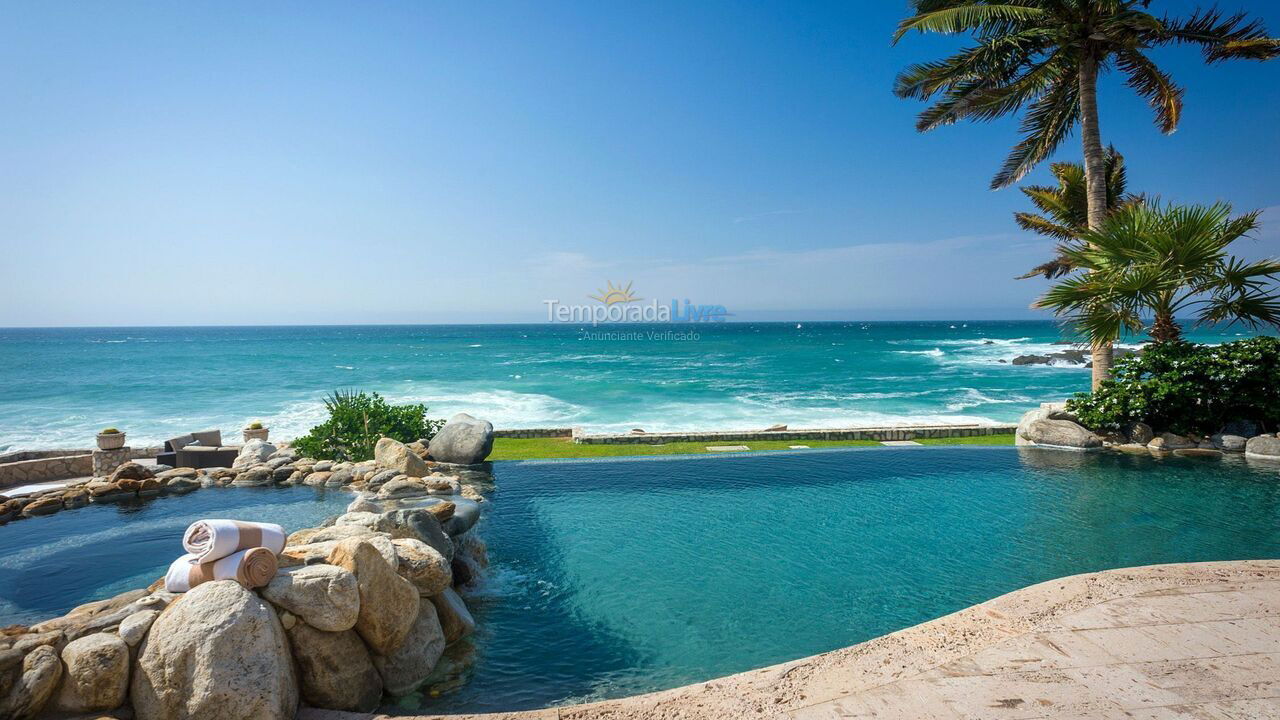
x=534, y=433
x=31, y=466
x=911, y=432
x=57, y=467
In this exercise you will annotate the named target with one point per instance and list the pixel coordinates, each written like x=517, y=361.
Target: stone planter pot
x=259, y=434
x=110, y=441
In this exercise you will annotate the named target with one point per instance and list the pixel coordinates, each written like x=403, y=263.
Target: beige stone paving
x=1190, y=641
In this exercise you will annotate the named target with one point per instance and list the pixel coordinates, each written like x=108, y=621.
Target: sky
x=427, y=162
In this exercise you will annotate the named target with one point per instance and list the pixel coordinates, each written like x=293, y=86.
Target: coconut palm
x=1046, y=56
x=1066, y=211
x=1149, y=261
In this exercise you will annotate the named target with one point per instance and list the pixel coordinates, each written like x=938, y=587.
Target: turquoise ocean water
x=60, y=386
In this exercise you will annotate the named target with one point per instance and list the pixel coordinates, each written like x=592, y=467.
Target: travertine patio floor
x=1167, y=641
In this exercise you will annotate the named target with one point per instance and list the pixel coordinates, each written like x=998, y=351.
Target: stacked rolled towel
x=252, y=568
x=226, y=550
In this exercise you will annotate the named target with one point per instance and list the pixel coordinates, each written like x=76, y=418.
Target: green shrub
x=255, y=425
x=110, y=431
x=356, y=422
x=1183, y=387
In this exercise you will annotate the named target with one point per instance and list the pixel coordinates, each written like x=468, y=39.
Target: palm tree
x=1161, y=262
x=1066, y=211
x=1046, y=55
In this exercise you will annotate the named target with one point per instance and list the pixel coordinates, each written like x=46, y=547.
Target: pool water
x=51, y=564
x=609, y=578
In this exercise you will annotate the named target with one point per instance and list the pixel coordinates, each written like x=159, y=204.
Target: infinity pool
x=617, y=577
x=49, y=565
x=609, y=578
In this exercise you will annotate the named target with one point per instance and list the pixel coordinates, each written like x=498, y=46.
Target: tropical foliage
x=357, y=420
x=1162, y=262
x=1045, y=55
x=1065, y=209
x=1183, y=387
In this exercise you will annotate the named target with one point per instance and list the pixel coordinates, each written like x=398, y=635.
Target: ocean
x=58, y=387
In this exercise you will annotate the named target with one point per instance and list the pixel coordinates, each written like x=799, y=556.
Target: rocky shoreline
x=1053, y=426
x=363, y=607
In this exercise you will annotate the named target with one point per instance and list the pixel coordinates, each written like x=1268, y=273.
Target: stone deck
x=1197, y=640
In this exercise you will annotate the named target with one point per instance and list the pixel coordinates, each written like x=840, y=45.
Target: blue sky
x=317, y=162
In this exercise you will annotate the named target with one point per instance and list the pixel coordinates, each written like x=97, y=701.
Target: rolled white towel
x=251, y=568
x=211, y=540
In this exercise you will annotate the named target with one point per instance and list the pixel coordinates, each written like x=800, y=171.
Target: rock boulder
x=1036, y=429
x=41, y=671
x=404, y=669
x=1263, y=447
x=218, y=652
x=455, y=619
x=464, y=440
x=254, y=452
x=96, y=674
x=326, y=597
x=388, y=602
x=395, y=455
x=334, y=669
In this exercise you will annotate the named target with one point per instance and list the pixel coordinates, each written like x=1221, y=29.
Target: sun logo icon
x=611, y=295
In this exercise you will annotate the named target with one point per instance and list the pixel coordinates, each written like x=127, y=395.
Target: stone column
x=106, y=461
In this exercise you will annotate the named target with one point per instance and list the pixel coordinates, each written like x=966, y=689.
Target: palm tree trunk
x=1164, y=329
x=1095, y=177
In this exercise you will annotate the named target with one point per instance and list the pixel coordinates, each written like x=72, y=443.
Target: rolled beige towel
x=252, y=568
x=211, y=540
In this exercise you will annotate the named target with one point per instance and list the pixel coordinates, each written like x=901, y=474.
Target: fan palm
x=1066, y=211
x=1148, y=261
x=1046, y=56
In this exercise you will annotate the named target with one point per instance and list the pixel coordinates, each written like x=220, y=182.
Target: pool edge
x=797, y=687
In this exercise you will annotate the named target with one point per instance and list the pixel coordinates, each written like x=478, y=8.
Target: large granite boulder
x=463, y=440
x=388, y=602
x=1229, y=443
x=424, y=525
x=404, y=669
x=455, y=619
x=423, y=566
x=254, y=452
x=1170, y=441
x=1041, y=427
x=1138, y=432
x=96, y=674
x=131, y=471
x=326, y=597
x=334, y=669
x=218, y=652
x=466, y=513
x=41, y=671
x=134, y=627
x=254, y=477
x=395, y=455
x=1263, y=447
x=318, y=552
x=372, y=520
x=403, y=488
x=341, y=532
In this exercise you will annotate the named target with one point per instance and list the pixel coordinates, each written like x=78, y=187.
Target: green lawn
x=548, y=448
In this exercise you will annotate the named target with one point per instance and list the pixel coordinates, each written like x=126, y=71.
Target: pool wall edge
x=789, y=689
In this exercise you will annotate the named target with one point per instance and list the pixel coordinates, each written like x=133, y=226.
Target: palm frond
x=953, y=19
x=1047, y=124
x=1221, y=38
x=1155, y=85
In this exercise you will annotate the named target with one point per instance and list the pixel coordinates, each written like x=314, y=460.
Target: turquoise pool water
x=49, y=565
x=616, y=577
x=609, y=578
